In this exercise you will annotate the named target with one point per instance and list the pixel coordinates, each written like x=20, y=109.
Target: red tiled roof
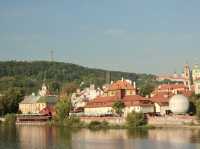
x=132, y=100
x=171, y=86
x=161, y=96
x=121, y=84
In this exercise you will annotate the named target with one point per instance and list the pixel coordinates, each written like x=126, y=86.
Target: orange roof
x=121, y=84
x=161, y=96
x=132, y=100
x=171, y=86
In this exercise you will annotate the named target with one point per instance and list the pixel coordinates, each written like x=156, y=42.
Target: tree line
x=19, y=78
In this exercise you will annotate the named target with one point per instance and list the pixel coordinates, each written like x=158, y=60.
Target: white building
x=123, y=91
x=80, y=98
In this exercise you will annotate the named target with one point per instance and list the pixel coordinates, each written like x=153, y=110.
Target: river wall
x=112, y=120
x=173, y=120
x=153, y=120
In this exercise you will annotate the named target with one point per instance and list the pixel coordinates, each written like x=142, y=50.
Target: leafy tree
x=118, y=107
x=9, y=102
x=62, y=109
x=135, y=119
x=68, y=89
x=146, y=89
x=30, y=75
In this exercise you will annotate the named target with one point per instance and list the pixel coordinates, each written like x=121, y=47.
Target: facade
x=195, y=72
x=80, y=98
x=162, y=94
x=175, y=78
x=38, y=104
x=197, y=86
x=168, y=89
x=161, y=103
x=187, y=76
x=124, y=91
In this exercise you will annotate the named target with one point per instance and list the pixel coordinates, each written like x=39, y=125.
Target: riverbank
x=177, y=126
x=95, y=125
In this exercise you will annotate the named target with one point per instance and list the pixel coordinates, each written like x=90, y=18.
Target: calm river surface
x=44, y=137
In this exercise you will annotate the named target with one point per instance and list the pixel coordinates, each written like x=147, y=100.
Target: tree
x=68, y=89
x=134, y=119
x=9, y=102
x=146, y=89
x=62, y=109
x=118, y=107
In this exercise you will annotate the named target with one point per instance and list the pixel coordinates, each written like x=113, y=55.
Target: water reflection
x=175, y=138
x=44, y=137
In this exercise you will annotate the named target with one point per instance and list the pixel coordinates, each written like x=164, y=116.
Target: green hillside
x=30, y=75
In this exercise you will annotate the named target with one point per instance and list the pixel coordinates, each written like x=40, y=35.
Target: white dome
x=179, y=104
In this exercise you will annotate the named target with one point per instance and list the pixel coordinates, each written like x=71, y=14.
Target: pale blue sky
x=153, y=36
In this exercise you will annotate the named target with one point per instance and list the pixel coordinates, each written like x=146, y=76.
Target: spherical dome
x=179, y=104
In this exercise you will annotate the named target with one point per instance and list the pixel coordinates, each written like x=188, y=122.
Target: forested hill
x=30, y=75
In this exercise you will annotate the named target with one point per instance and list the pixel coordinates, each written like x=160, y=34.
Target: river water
x=45, y=137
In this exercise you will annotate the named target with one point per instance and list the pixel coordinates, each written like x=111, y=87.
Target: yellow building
x=35, y=104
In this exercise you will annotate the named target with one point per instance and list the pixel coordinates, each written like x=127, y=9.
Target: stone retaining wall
x=172, y=120
x=112, y=120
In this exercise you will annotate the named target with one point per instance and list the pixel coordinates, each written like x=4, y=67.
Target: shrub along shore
x=133, y=120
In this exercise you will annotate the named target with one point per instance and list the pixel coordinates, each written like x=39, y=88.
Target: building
x=174, y=78
x=171, y=89
x=161, y=103
x=43, y=103
x=124, y=91
x=37, y=104
x=197, y=86
x=185, y=77
x=80, y=98
x=162, y=94
x=195, y=72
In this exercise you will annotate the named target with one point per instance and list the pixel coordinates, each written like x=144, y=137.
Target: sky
x=143, y=36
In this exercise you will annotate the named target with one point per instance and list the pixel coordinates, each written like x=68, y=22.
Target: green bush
x=98, y=125
x=10, y=119
x=73, y=122
x=62, y=110
x=134, y=120
x=118, y=107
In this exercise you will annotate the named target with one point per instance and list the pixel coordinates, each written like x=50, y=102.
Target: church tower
x=187, y=76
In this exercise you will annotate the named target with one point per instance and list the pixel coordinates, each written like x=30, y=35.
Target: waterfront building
x=80, y=98
x=121, y=90
x=162, y=94
x=161, y=103
x=38, y=104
